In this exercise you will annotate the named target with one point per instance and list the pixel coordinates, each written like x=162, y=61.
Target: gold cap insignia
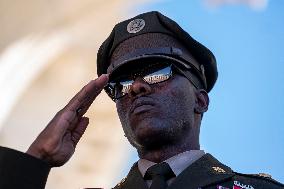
x=218, y=170
x=135, y=26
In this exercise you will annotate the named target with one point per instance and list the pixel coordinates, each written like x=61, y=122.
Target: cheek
x=122, y=108
x=121, y=111
x=179, y=99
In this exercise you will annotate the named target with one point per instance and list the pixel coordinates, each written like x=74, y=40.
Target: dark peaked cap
x=155, y=22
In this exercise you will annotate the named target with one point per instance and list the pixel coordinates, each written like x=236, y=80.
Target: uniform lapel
x=134, y=179
x=205, y=171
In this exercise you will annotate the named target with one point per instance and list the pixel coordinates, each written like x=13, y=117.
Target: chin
x=150, y=137
x=151, y=144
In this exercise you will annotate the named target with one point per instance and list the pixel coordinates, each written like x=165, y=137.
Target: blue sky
x=244, y=125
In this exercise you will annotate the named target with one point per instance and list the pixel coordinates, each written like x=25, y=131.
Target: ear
x=202, y=101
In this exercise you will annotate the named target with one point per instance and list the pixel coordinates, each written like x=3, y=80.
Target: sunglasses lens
x=123, y=88
x=159, y=75
x=153, y=74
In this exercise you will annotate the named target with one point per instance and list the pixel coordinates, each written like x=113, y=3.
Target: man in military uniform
x=159, y=77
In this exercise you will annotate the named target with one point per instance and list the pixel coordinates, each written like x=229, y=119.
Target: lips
x=141, y=105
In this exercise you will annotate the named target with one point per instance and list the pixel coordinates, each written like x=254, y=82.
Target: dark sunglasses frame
x=175, y=69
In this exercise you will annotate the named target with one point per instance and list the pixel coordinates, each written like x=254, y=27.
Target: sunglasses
x=151, y=74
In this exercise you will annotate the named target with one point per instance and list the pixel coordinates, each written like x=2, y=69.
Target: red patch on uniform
x=237, y=187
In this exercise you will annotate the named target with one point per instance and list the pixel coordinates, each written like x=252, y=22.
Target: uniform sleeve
x=20, y=170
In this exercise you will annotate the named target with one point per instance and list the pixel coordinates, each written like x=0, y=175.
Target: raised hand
x=56, y=143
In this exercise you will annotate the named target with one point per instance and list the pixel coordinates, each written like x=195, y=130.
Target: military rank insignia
x=218, y=170
x=238, y=185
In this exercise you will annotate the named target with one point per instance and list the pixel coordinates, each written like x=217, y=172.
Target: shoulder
x=244, y=181
x=254, y=181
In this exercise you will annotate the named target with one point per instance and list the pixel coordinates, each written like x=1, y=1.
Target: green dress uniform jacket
x=21, y=171
x=206, y=173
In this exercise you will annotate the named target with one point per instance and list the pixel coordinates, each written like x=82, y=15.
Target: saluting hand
x=56, y=143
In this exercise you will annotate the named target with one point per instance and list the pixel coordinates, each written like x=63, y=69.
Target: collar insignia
x=135, y=25
x=218, y=170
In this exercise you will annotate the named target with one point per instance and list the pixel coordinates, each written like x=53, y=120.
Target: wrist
x=35, y=153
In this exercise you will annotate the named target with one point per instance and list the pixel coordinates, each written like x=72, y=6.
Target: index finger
x=88, y=93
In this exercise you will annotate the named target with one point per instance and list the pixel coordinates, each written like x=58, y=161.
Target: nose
x=139, y=87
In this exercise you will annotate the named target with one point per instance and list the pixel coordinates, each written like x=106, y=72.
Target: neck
x=165, y=152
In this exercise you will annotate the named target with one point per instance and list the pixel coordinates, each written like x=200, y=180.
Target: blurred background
x=48, y=52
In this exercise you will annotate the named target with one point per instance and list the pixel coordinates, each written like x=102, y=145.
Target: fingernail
x=102, y=76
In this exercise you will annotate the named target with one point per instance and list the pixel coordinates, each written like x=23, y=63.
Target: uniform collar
x=203, y=172
x=177, y=163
